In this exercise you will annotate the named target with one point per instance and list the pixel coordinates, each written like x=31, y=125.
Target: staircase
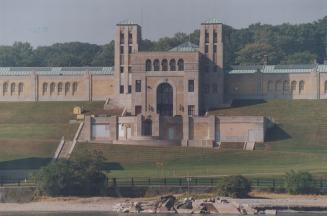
x=249, y=146
x=231, y=146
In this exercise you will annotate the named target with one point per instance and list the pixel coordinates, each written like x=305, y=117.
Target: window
x=215, y=37
x=129, y=69
x=130, y=37
x=279, y=86
x=164, y=65
x=138, y=86
x=214, y=48
x=67, y=87
x=5, y=88
x=74, y=88
x=121, y=89
x=206, y=49
x=270, y=86
x=20, y=88
x=325, y=86
x=180, y=64
x=138, y=110
x=121, y=49
x=190, y=110
x=12, y=88
x=206, y=37
x=206, y=89
x=148, y=66
x=301, y=86
x=130, y=49
x=172, y=64
x=191, y=86
x=286, y=86
x=156, y=65
x=52, y=88
x=293, y=86
x=214, y=88
x=121, y=69
x=44, y=88
x=122, y=38
x=59, y=88
x=129, y=89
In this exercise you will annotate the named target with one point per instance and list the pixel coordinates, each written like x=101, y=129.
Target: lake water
x=116, y=214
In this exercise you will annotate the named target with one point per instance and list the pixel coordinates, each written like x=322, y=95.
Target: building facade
x=166, y=94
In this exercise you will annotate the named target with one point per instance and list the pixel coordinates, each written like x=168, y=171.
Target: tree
x=299, y=183
x=300, y=58
x=254, y=54
x=105, y=57
x=234, y=186
x=82, y=176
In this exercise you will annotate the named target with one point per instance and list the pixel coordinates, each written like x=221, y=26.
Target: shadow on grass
x=276, y=133
x=243, y=103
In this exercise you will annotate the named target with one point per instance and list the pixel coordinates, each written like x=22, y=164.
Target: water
x=117, y=214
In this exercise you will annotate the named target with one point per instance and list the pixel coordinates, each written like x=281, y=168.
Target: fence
x=256, y=183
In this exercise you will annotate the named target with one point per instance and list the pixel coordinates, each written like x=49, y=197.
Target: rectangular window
x=121, y=89
x=215, y=37
x=214, y=88
x=129, y=69
x=214, y=48
x=206, y=89
x=129, y=89
x=206, y=49
x=121, y=69
x=121, y=49
x=130, y=38
x=190, y=110
x=138, y=86
x=130, y=49
x=206, y=37
x=138, y=110
x=121, y=38
x=191, y=86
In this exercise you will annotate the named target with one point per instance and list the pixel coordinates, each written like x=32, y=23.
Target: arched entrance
x=165, y=99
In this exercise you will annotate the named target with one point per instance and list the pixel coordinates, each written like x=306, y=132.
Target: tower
x=212, y=64
x=127, y=39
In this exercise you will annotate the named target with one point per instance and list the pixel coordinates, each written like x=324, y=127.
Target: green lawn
x=298, y=142
x=34, y=129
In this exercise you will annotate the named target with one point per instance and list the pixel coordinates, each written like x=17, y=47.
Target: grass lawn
x=299, y=142
x=32, y=130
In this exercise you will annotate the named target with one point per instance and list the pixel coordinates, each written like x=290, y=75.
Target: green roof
x=185, y=47
x=127, y=22
x=24, y=71
x=211, y=21
x=277, y=69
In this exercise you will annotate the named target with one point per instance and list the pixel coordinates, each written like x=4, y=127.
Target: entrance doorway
x=165, y=99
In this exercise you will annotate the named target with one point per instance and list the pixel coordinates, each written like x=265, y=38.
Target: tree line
x=282, y=44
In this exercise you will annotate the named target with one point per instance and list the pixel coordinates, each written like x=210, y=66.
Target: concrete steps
x=231, y=146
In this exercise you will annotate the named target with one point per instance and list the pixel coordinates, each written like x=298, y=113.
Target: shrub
x=299, y=183
x=234, y=186
x=79, y=177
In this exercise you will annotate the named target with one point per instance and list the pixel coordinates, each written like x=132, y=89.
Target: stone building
x=166, y=94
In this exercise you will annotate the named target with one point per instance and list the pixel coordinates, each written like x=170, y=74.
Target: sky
x=44, y=22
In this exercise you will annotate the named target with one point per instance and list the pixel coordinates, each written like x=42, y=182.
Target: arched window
x=74, y=88
x=12, y=88
x=293, y=86
x=270, y=86
x=172, y=64
x=148, y=66
x=156, y=65
x=59, y=88
x=301, y=86
x=180, y=64
x=164, y=64
x=20, y=88
x=52, y=88
x=5, y=88
x=279, y=86
x=325, y=86
x=286, y=86
x=45, y=88
x=67, y=87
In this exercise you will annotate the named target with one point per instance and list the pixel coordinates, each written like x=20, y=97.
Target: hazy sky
x=44, y=22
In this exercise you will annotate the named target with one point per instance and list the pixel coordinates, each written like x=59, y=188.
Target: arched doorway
x=165, y=99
